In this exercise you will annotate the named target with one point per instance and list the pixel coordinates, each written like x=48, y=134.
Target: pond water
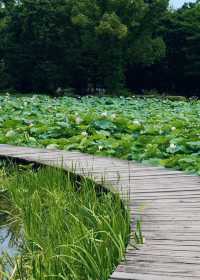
x=7, y=244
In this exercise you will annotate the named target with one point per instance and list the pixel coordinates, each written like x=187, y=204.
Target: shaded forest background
x=106, y=44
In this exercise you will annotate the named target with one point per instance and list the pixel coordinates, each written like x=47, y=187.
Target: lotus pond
x=56, y=226
x=152, y=130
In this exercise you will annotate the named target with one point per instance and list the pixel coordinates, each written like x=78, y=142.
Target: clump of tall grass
x=70, y=230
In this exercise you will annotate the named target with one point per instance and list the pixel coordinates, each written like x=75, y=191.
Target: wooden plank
x=167, y=201
x=138, y=276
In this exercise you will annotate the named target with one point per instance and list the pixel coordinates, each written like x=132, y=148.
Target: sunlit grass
x=69, y=229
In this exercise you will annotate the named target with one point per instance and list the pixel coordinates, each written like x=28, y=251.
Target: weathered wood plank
x=142, y=276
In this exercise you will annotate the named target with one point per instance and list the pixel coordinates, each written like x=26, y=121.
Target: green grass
x=70, y=230
x=152, y=130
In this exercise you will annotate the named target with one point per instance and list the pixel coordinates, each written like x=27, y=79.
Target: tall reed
x=70, y=230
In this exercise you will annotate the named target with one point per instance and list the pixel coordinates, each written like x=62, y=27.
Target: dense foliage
x=159, y=131
x=182, y=35
x=107, y=44
x=69, y=230
x=179, y=70
x=82, y=44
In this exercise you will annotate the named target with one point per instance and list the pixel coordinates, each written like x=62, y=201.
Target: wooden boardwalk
x=168, y=202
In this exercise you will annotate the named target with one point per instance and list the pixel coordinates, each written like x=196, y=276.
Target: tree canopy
x=109, y=44
x=47, y=44
x=179, y=70
x=181, y=32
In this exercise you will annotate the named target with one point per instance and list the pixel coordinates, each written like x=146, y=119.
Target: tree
x=181, y=34
x=47, y=44
x=179, y=71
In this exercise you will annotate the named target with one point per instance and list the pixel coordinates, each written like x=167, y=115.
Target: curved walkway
x=168, y=202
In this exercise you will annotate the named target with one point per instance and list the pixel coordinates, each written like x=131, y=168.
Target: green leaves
x=78, y=43
x=195, y=146
x=160, y=131
x=104, y=125
x=111, y=25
